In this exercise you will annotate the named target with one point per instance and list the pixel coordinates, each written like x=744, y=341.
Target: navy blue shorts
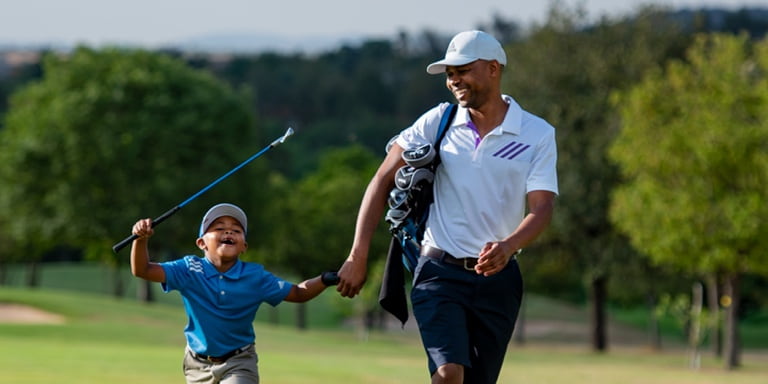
x=466, y=318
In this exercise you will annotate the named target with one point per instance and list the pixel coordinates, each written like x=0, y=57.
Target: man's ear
x=200, y=243
x=496, y=68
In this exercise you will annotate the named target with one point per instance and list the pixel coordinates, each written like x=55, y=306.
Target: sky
x=157, y=23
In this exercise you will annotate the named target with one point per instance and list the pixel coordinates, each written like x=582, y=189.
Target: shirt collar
x=513, y=120
x=232, y=273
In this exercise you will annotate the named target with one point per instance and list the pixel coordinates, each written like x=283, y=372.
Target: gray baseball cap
x=220, y=210
x=467, y=47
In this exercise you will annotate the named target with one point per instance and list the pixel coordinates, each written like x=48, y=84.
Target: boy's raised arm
x=140, y=264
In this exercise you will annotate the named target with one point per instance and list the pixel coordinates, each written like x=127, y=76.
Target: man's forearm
x=533, y=225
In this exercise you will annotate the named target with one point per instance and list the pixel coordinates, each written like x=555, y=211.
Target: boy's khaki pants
x=239, y=369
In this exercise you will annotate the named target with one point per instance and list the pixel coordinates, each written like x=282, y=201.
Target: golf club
x=117, y=247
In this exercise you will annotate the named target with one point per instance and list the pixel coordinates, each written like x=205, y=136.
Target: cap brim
x=220, y=211
x=438, y=67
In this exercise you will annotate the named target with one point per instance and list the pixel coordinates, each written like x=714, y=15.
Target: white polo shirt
x=481, y=185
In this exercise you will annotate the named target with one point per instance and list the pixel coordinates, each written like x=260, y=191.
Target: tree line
x=657, y=192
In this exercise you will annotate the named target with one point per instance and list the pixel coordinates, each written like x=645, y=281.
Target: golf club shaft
x=117, y=247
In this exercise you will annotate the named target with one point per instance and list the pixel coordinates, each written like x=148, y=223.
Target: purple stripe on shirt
x=518, y=152
x=472, y=125
x=504, y=149
x=515, y=147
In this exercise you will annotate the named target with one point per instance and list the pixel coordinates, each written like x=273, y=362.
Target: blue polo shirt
x=221, y=306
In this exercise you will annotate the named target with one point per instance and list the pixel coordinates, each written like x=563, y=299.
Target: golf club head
x=288, y=133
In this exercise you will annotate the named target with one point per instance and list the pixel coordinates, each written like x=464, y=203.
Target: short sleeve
x=543, y=171
x=274, y=289
x=176, y=275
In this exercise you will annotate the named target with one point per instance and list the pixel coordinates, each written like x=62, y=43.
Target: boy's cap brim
x=221, y=210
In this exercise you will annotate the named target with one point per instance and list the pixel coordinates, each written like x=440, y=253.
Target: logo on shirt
x=195, y=265
x=511, y=150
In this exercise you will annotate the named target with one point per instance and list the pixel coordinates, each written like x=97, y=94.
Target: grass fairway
x=112, y=341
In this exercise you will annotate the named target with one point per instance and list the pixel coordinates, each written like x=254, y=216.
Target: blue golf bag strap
x=445, y=121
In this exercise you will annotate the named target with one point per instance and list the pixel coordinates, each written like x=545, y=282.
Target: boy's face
x=224, y=239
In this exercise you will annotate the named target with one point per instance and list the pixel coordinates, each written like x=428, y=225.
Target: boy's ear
x=200, y=243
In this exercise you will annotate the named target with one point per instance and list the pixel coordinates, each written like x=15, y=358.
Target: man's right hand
x=353, y=273
x=352, y=277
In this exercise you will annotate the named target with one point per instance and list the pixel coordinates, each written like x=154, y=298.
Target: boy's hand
x=143, y=228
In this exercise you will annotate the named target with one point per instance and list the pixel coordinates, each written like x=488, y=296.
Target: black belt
x=467, y=263
x=222, y=358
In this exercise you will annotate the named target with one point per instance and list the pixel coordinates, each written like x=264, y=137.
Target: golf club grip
x=117, y=247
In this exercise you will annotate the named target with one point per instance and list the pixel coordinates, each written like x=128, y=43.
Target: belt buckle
x=215, y=360
x=466, y=265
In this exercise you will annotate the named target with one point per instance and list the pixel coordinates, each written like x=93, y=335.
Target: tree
x=317, y=216
x=693, y=151
x=110, y=136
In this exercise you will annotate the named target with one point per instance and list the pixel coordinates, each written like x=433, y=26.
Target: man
x=496, y=158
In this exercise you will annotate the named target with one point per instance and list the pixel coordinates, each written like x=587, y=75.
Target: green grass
x=326, y=311
x=121, y=341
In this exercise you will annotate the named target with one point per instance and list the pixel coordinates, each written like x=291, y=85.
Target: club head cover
x=398, y=199
x=395, y=217
x=420, y=156
x=408, y=177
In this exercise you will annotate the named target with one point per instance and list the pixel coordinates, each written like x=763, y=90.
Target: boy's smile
x=223, y=242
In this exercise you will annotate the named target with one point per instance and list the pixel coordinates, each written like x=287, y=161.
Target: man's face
x=470, y=83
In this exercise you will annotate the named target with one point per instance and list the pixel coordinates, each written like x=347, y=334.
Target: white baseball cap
x=220, y=210
x=467, y=47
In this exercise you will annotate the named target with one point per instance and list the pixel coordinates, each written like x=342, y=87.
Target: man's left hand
x=493, y=258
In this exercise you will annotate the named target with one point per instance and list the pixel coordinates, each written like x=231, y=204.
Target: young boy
x=221, y=294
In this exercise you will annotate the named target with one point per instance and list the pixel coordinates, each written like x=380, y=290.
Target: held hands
x=351, y=277
x=494, y=257
x=143, y=229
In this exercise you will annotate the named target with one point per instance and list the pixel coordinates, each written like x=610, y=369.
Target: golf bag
x=407, y=216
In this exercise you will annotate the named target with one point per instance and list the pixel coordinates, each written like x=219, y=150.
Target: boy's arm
x=140, y=264
x=311, y=288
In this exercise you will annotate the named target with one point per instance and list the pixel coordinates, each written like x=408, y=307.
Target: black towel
x=392, y=295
